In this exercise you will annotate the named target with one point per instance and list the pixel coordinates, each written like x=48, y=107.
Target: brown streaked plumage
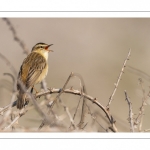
x=32, y=71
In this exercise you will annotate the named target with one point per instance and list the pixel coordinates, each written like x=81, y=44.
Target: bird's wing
x=32, y=68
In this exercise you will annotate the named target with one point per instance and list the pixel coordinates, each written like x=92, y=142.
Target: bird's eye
x=41, y=47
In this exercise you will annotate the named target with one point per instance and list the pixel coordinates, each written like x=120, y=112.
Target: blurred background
x=93, y=47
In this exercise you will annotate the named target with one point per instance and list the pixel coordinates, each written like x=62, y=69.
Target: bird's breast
x=42, y=75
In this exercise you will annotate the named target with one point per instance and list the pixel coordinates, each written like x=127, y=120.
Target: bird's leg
x=31, y=90
x=34, y=89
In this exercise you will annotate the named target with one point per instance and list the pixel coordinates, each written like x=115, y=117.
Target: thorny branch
x=139, y=118
x=76, y=92
x=118, y=80
x=130, y=112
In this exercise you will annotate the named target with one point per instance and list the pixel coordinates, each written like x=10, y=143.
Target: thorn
x=107, y=108
x=71, y=88
x=71, y=74
x=95, y=99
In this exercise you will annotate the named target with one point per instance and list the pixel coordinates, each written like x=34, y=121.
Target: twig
x=12, y=123
x=118, y=80
x=6, y=107
x=146, y=130
x=94, y=118
x=22, y=112
x=16, y=38
x=138, y=119
x=44, y=87
x=77, y=108
x=7, y=114
x=39, y=109
x=138, y=72
x=68, y=113
x=83, y=89
x=14, y=93
x=130, y=112
x=14, y=81
x=9, y=64
x=62, y=90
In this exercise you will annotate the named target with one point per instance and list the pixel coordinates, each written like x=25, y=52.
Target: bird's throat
x=44, y=54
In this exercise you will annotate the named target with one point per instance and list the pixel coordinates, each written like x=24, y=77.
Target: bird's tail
x=22, y=100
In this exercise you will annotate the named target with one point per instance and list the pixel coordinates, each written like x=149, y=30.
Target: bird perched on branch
x=32, y=71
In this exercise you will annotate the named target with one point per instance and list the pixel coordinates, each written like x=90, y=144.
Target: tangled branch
x=74, y=92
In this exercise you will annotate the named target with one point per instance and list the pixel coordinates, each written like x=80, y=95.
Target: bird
x=32, y=71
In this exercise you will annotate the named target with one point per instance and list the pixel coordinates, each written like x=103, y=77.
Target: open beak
x=46, y=48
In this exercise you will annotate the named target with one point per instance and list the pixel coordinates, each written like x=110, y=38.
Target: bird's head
x=42, y=48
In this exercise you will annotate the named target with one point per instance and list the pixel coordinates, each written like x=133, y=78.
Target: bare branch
x=83, y=89
x=68, y=113
x=22, y=112
x=7, y=114
x=118, y=80
x=14, y=81
x=94, y=118
x=44, y=86
x=77, y=108
x=9, y=64
x=16, y=38
x=62, y=90
x=130, y=112
x=146, y=130
x=39, y=109
x=138, y=119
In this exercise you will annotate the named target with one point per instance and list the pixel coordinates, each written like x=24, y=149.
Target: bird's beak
x=46, y=48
